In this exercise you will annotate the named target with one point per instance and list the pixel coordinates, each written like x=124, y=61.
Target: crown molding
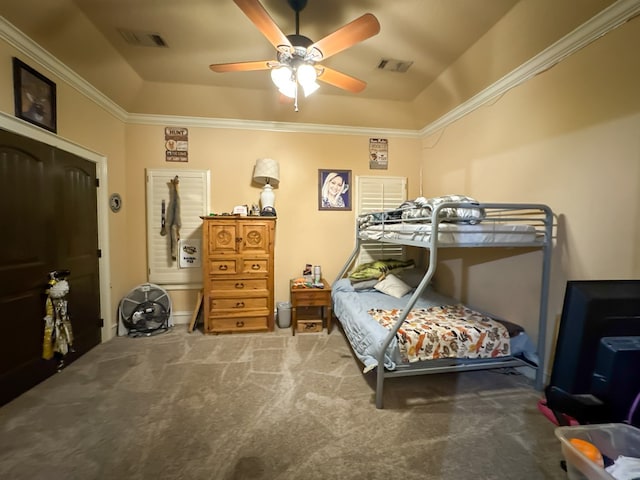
x=285, y=127
x=594, y=28
x=599, y=25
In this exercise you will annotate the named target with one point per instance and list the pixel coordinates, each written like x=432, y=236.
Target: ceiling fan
x=297, y=60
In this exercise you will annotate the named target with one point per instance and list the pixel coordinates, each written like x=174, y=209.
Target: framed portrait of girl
x=334, y=189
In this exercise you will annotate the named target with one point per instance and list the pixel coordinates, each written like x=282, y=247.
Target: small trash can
x=284, y=314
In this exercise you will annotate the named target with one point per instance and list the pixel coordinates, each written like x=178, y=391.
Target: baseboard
x=181, y=318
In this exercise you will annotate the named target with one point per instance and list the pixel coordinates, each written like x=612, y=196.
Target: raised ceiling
x=432, y=34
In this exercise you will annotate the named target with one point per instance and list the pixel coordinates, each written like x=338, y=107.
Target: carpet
x=270, y=407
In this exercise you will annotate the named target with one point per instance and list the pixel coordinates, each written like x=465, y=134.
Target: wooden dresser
x=238, y=267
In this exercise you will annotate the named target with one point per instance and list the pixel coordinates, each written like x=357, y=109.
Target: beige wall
x=303, y=233
x=568, y=138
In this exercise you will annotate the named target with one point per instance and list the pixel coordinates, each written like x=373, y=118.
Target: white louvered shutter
x=194, y=194
x=375, y=194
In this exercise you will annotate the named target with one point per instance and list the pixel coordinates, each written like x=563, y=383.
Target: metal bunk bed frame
x=539, y=215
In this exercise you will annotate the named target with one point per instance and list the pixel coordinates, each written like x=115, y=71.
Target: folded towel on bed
x=378, y=269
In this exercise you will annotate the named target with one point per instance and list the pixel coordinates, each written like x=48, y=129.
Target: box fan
x=145, y=310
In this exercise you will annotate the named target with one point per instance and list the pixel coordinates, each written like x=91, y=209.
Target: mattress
x=366, y=335
x=453, y=233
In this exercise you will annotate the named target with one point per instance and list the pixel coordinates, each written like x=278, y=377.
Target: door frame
x=25, y=129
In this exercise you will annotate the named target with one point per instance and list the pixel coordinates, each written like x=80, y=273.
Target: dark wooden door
x=49, y=222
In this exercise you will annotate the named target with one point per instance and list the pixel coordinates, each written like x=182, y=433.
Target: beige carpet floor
x=269, y=406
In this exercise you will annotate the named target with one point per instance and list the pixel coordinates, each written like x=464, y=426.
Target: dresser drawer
x=238, y=304
x=222, y=267
x=255, y=265
x=238, y=286
x=236, y=324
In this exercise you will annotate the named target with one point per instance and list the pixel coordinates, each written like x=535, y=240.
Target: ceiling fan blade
x=341, y=80
x=240, y=66
x=360, y=29
x=261, y=19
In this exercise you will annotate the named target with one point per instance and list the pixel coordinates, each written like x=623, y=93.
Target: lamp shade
x=266, y=172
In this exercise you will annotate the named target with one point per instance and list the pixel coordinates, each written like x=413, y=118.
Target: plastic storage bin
x=612, y=439
x=284, y=314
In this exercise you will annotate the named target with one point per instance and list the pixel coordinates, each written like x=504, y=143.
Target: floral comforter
x=446, y=331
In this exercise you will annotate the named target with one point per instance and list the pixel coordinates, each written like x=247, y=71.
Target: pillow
x=462, y=214
x=392, y=285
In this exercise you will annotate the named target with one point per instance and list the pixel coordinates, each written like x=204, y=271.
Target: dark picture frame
x=34, y=96
x=334, y=189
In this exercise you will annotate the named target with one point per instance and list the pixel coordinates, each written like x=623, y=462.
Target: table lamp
x=267, y=173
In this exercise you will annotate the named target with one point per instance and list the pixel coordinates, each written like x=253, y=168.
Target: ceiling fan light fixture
x=282, y=76
x=309, y=88
x=306, y=74
x=288, y=90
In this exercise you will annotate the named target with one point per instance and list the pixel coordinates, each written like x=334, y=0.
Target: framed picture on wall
x=334, y=192
x=34, y=96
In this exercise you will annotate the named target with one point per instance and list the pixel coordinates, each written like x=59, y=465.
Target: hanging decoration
x=378, y=153
x=176, y=143
x=173, y=220
x=58, y=334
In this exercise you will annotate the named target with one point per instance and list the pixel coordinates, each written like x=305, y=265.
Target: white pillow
x=392, y=285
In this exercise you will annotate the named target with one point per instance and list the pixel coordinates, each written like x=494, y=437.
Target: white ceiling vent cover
x=143, y=39
x=392, y=65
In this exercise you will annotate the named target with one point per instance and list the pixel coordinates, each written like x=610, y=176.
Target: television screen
x=592, y=310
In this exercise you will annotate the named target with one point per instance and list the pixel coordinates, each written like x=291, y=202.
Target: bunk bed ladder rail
x=433, y=260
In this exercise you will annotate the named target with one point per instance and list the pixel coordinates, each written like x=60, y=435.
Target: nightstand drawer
x=311, y=297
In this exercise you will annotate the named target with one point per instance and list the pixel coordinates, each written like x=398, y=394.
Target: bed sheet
x=452, y=233
x=366, y=335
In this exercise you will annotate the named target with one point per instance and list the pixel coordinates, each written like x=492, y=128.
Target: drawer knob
x=239, y=285
x=239, y=324
x=240, y=305
x=223, y=267
x=255, y=266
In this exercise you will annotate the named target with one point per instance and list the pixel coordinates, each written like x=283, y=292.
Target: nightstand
x=311, y=308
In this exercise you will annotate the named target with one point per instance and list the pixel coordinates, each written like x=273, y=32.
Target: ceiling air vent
x=143, y=39
x=393, y=65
